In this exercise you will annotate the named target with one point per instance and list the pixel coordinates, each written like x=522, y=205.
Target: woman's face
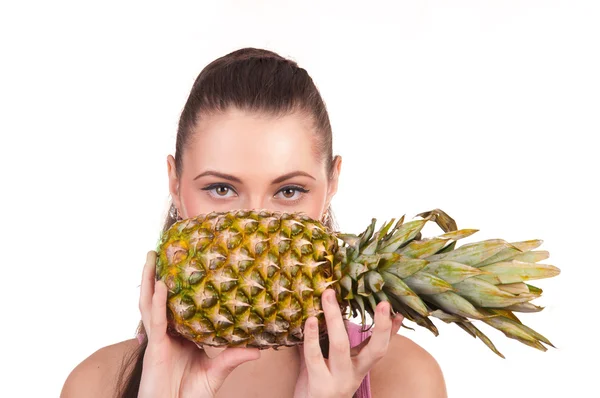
x=241, y=160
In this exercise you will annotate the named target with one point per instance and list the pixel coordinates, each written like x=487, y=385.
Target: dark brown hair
x=253, y=80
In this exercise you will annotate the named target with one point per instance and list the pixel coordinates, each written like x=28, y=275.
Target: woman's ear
x=173, y=182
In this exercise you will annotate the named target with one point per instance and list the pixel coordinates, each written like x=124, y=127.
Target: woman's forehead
x=242, y=143
x=253, y=128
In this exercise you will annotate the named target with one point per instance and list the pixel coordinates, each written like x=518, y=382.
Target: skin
x=233, y=143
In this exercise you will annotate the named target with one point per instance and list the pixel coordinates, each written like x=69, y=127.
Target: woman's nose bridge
x=256, y=201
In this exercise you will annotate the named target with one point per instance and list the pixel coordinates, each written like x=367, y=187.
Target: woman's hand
x=340, y=375
x=177, y=367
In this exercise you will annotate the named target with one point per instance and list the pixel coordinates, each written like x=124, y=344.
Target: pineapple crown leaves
x=423, y=278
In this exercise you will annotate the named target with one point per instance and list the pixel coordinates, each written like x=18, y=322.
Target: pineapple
x=250, y=278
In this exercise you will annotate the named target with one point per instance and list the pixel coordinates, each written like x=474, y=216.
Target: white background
x=488, y=110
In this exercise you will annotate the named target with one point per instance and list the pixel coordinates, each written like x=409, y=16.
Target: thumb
x=223, y=364
x=302, y=361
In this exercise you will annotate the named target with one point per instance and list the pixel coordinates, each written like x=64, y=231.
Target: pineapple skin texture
x=252, y=284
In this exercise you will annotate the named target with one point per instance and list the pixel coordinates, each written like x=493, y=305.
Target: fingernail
x=385, y=309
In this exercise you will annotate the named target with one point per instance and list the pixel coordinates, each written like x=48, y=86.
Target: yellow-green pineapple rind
x=244, y=278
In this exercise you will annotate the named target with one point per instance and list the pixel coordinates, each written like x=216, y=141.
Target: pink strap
x=356, y=336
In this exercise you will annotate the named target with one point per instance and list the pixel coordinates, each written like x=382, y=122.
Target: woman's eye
x=219, y=190
x=292, y=192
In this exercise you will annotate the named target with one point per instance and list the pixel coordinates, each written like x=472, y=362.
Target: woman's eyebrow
x=290, y=175
x=235, y=179
x=220, y=175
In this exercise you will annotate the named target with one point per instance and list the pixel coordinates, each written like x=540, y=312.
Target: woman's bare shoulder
x=407, y=370
x=96, y=376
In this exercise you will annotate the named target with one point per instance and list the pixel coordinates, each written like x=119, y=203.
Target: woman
x=255, y=133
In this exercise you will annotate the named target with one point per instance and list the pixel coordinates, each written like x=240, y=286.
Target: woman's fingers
x=147, y=289
x=396, y=324
x=379, y=341
x=313, y=357
x=223, y=364
x=339, y=344
x=158, y=321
